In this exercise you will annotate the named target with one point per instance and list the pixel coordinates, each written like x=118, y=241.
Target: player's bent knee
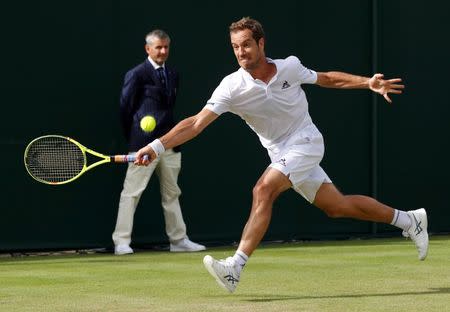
x=264, y=192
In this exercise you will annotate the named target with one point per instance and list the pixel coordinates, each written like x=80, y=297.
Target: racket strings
x=54, y=159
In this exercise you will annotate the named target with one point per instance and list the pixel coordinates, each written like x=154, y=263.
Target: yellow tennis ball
x=148, y=123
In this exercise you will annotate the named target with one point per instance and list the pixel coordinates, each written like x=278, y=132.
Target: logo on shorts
x=282, y=161
x=285, y=85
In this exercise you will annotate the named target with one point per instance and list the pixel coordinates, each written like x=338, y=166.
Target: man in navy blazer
x=150, y=88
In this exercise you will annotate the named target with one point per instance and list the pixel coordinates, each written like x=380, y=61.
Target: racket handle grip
x=125, y=158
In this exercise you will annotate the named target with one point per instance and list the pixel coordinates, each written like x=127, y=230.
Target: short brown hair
x=249, y=23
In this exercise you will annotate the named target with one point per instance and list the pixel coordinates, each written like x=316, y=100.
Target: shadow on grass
x=271, y=297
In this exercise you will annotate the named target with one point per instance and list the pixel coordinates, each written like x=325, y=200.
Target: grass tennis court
x=354, y=275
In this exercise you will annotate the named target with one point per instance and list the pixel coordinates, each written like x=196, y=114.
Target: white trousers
x=167, y=167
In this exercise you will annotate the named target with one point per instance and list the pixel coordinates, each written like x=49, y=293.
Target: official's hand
x=145, y=161
x=379, y=85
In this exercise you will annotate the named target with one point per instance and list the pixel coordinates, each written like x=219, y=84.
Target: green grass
x=356, y=275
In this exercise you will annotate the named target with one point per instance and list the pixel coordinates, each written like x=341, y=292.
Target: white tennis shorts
x=298, y=157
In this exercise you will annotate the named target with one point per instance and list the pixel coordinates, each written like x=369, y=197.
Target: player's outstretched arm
x=377, y=83
x=184, y=131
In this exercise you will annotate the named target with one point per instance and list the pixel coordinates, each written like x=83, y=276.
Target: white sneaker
x=418, y=231
x=225, y=272
x=123, y=250
x=185, y=245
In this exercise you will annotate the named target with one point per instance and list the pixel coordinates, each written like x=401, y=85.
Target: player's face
x=158, y=50
x=248, y=52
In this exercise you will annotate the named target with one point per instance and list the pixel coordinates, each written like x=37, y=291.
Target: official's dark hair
x=249, y=23
x=157, y=33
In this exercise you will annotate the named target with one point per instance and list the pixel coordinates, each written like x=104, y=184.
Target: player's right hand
x=141, y=160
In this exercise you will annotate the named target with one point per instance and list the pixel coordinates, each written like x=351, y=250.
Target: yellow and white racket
x=56, y=159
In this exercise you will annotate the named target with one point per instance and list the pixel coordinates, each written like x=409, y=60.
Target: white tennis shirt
x=273, y=111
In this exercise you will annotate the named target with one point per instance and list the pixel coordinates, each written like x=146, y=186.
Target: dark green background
x=62, y=68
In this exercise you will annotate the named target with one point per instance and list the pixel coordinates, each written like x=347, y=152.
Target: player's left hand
x=379, y=85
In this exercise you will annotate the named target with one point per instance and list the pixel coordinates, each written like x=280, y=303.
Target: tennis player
x=268, y=95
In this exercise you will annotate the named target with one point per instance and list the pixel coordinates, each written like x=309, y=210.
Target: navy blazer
x=143, y=94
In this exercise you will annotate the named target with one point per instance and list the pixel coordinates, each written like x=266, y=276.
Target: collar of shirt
x=155, y=66
x=248, y=76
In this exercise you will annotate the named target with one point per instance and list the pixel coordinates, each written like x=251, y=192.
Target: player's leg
x=136, y=180
x=292, y=163
x=270, y=185
x=168, y=170
x=336, y=205
x=267, y=189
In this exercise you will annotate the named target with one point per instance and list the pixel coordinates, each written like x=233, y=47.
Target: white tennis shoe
x=186, y=245
x=418, y=231
x=123, y=250
x=225, y=272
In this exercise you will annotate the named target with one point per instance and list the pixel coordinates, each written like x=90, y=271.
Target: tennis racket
x=56, y=159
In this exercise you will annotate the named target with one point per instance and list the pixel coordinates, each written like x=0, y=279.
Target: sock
x=401, y=220
x=241, y=259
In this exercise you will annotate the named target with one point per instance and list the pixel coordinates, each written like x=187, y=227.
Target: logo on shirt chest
x=285, y=85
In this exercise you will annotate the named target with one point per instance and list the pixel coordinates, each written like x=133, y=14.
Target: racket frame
x=84, y=150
